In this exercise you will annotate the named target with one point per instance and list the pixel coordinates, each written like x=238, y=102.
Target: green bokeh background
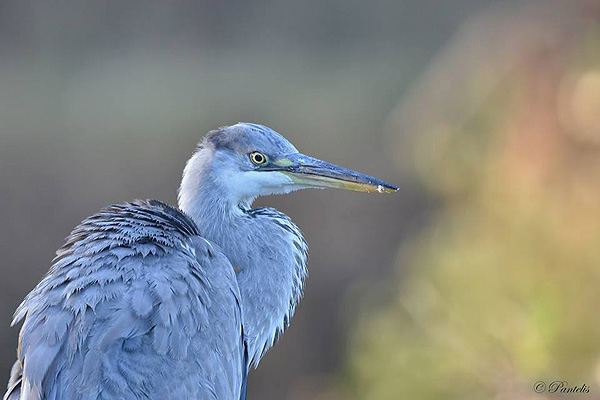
x=475, y=281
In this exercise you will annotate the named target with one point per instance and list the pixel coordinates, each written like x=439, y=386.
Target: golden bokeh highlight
x=501, y=290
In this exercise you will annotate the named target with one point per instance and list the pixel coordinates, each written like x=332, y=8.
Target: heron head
x=250, y=160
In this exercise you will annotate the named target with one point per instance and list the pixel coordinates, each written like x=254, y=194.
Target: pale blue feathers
x=129, y=310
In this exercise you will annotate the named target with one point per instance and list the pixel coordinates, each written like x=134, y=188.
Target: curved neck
x=265, y=248
x=201, y=193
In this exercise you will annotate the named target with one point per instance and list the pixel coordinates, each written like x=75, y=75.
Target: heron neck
x=268, y=253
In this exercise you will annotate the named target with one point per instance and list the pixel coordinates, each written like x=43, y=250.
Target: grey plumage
x=125, y=310
x=145, y=301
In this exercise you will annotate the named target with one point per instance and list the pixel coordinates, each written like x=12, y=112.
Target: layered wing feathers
x=136, y=305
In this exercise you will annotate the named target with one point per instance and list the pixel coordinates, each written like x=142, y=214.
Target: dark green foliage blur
x=500, y=291
x=474, y=281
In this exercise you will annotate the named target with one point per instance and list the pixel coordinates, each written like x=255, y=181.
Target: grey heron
x=145, y=300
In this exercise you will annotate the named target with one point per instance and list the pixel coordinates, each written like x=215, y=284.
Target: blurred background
x=475, y=281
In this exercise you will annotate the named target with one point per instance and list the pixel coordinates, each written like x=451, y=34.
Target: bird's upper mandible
x=144, y=301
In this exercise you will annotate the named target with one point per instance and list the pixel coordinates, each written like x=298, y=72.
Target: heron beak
x=312, y=172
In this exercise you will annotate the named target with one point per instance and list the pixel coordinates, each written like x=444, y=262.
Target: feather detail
x=131, y=303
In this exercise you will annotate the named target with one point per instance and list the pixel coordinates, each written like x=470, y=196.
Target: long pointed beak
x=312, y=172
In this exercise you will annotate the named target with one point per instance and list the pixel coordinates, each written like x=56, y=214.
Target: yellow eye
x=258, y=158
